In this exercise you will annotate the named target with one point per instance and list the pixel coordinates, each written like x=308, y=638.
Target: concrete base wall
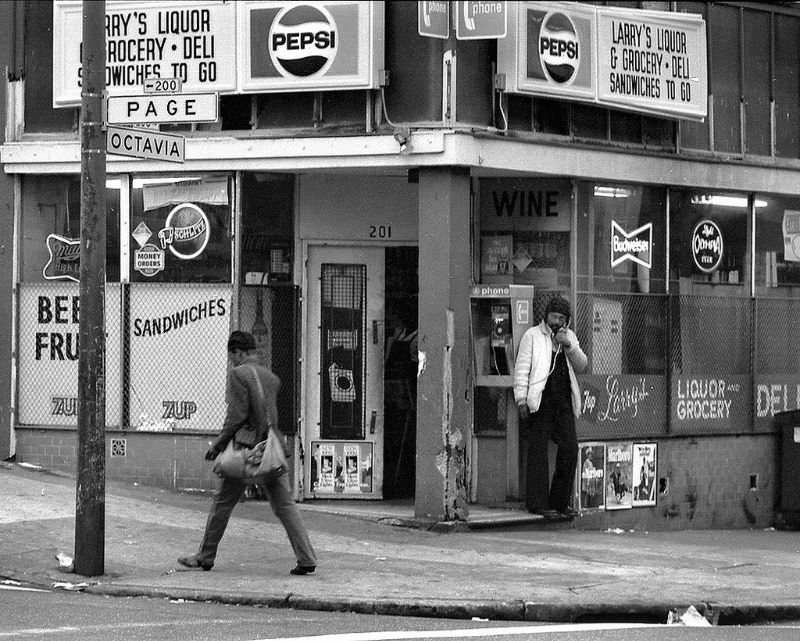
x=707, y=479
x=708, y=486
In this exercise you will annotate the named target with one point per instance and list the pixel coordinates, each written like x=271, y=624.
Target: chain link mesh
x=165, y=352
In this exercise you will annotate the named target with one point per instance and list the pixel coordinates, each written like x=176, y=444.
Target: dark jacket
x=248, y=419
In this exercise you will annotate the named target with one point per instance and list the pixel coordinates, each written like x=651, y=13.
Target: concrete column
x=443, y=413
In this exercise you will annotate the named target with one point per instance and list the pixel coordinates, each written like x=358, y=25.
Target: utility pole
x=90, y=503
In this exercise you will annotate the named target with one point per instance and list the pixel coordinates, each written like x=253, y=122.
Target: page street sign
x=155, y=108
x=140, y=143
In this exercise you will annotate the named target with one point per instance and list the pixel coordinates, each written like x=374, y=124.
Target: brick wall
x=707, y=479
x=708, y=486
x=166, y=460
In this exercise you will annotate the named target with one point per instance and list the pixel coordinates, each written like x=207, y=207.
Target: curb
x=497, y=610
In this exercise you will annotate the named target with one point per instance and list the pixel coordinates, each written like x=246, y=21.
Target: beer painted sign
x=645, y=61
x=49, y=315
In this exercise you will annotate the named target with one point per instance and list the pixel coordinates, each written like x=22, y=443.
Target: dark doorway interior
x=400, y=372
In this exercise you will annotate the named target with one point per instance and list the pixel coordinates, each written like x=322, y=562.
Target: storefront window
x=181, y=229
x=709, y=279
x=777, y=233
x=51, y=228
x=525, y=232
x=621, y=278
x=777, y=274
x=709, y=242
x=267, y=229
x=48, y=303
x=623, y=229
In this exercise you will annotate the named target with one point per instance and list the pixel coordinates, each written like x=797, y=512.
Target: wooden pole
x=90, y=502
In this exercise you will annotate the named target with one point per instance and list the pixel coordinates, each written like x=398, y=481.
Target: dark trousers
x=227, y=495
x=556, y=423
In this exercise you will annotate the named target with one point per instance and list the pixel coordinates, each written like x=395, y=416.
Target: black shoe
x=545, y=512
x=192, y=561
x=569, y=513
x=301, y=570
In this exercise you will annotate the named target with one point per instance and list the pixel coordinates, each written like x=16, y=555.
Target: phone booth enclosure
x=499, y=316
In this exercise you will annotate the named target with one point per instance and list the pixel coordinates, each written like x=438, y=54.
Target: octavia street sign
x=145, y=144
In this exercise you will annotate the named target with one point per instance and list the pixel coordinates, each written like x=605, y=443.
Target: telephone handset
x=501, y=338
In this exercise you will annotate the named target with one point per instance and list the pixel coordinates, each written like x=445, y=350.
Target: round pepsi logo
x=303, y=41
x=559, y=48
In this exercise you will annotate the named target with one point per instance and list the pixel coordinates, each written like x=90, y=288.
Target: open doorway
x=400, y=372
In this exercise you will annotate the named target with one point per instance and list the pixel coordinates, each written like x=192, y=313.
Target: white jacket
x=534, y=360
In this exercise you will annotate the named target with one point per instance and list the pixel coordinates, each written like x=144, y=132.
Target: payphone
x=500, y=315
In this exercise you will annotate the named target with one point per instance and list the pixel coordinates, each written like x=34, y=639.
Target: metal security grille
x=623, y=334
x=711, y=335
x=777, y=336
x=343, y=329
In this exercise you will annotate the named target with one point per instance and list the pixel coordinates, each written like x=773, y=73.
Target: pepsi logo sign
x=303, y=41
x=559, y=48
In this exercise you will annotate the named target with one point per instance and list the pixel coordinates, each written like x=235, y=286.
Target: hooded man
x=549, y=399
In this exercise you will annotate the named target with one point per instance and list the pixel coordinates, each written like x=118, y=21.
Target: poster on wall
x=193, y=42
x=496, y=258
x=592, y=471
x=49, y=352
x=178, y=365
x=645, y=457
x=619, y=475
x=341, y=468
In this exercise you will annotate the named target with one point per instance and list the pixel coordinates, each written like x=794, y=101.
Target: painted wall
x=362, y=208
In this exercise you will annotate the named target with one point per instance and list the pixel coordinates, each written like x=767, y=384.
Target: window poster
x=177, y=356
x=592, y=470
x=645, y=456
x=496, y=258
x=341, y=467
x=49, y=353
x=619, y=474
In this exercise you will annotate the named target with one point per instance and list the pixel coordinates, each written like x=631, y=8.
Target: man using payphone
x=548, y=396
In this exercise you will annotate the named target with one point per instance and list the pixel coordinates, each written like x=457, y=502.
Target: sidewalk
x=532, y=571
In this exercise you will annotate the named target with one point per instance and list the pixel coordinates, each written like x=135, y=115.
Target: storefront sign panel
x=310, y=46
x=707, y=403
x=178, y=334
x=652, y=61
x=49, y=317
x=525, y=204
x=189, y=40
x=622, y=404
x=773, y=394
x=646, y=61
x=635, y=246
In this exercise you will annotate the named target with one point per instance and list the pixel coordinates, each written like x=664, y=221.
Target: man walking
x=248, y=419
x=549, y=399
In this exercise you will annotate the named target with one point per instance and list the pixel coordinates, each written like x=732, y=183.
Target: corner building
x=644, y=163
